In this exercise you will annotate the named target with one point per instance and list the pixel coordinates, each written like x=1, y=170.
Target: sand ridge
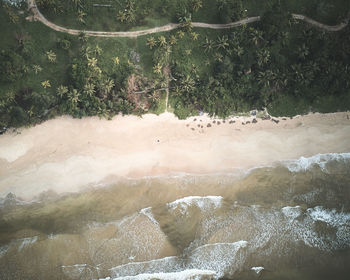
x=68, y=155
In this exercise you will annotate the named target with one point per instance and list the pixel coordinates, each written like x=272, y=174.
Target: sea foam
x=305, y=163
x=203, y=202
x=190, y=274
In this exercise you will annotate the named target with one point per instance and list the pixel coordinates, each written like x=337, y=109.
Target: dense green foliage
x=279, y=63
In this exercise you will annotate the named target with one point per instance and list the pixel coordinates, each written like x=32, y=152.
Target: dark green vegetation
x=279, y=63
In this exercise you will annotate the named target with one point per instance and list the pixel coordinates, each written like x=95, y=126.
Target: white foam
x=190, y=274
x=331, y=217
x=219, y=257
x=166, y=264
x=291, y=212
x=148, y=213
x=203, y=202
x=257, y=269
x=26, y=241
x=305, y=163
x=3, y=250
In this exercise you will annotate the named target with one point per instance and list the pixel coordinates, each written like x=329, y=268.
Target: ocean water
x=290, y=220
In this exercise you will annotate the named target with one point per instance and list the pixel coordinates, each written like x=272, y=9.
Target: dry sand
x=68, y=155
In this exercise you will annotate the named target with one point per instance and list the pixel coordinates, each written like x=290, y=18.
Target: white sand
x=67, y=155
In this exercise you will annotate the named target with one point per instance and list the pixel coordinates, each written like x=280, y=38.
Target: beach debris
x=208, y=125
x=195, y=120
x=214, y=121
x=218, y=123
x=347, y=116
x=266, y=118
x=254, y=121
x=275, y=121
x=187, y=125
x=231, y=122
x=192, y=128
x=224, y=121
x=247, y=122
x=199, y=125
x=284, y=119
x=243, y=123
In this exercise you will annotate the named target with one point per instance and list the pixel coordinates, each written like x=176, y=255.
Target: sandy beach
x=68, y=155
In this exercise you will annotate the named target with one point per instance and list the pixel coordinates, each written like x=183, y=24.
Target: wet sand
x=68, y=155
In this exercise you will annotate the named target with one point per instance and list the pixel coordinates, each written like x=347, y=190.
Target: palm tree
x=218, y=57
x=187, y=84
x=151, y=42
x=208, y=45
x=73, y=96
x=51, y=56
x=222, y=42
x=194, y=36
x=180, y=34
x=162, y=41
x=106, y=86
x=83, y=37
x=62, y=91
x=92, y=62
x=157, y=69
x=46, y=84
x=196, y=4
x=238, y=50
x=256, y=36
x=81, y=16
x=263, y=57
x=172, y=40
x=265, y=78
x=186, y=21
x=98, y=51
x=37, y=68
x=121, y=16
x=89, y=89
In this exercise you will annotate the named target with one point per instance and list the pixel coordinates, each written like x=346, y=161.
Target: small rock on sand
x=208, y=125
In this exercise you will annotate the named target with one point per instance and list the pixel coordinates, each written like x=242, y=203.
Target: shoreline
x=70, y=155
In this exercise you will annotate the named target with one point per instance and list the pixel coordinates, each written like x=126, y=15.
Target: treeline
x=276, y=61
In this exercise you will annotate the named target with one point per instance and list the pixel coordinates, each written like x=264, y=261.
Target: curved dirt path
x=171, y=26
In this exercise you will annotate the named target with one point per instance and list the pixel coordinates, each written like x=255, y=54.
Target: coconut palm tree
x=89, y=89
x=180, y=34
x=222, y=42
x=92, y=62
x=263, y=57
x=81, y=16
x=62, y=91
x=51, y=56
x=196, y=5
x=157, y=69
x=73, y=96
x=37, y=68
x=151, y=42
x=46, y=84
x=162, y=41
x=172, y=40
x=194, y=36
x=208, y=45
x=106, y=86
x=238, y=50
x=218, y=57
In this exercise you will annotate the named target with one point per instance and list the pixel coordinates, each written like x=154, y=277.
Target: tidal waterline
x=291, y=219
